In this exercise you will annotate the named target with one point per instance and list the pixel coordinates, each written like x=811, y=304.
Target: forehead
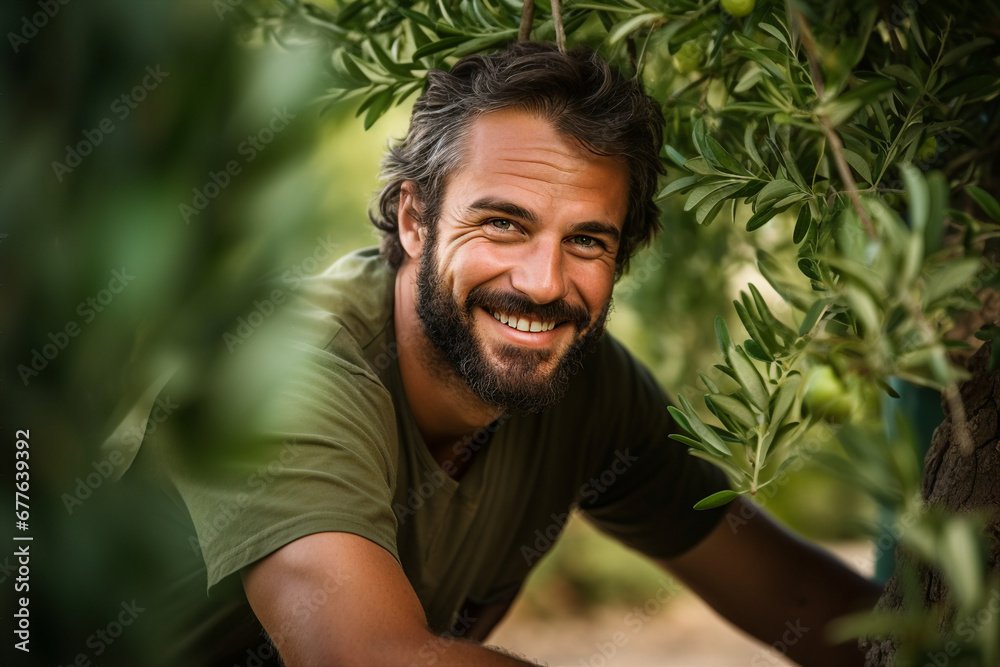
x=519, y=154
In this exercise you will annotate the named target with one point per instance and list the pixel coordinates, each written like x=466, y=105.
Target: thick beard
x=514, y=386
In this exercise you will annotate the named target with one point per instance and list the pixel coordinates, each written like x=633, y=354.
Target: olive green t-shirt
x=338, y=450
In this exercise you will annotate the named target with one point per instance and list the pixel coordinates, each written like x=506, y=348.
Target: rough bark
x=959, y=482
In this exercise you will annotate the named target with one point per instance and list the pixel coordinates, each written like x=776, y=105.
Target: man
x=453, y=394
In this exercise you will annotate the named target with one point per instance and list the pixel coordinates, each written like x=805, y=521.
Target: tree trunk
x=959, y=483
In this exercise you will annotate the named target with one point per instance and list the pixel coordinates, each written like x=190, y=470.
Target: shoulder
x=311, y=365
x=613, y=368
x=356, y=290
x=345, y=312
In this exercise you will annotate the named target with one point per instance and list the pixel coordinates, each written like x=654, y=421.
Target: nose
x=540, y=273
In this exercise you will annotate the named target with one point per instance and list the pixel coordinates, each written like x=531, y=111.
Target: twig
x=950, y=392
x=897, y=48
x=971, y=156
x=642, y=54
x=527, y=14
x=810, y=46
x=957, y=408
x=557, y=20
x=845, y=174
x=836, y=147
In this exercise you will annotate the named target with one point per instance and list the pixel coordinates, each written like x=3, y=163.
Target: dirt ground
x=680, y=631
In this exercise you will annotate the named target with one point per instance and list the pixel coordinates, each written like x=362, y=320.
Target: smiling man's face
x=516, y=275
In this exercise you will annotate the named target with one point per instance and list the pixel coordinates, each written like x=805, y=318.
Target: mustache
x=508, y=302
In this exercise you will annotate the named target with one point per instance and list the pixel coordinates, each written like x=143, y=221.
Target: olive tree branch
x=527, y=14
x=557, y=20
x=836, y=147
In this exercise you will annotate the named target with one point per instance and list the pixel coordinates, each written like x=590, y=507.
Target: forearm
x=371, y=615
x=791, y=614
x=415, y=651
x=778, y=588
x=445, y=651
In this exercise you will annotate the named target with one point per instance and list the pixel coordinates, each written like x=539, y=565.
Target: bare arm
x=336, y=598
x=775, y=586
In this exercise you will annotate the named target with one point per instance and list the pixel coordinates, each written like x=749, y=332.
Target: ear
x=411, y=231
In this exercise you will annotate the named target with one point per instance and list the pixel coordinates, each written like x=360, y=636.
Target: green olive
x=688, y=57
x=738, y=8
x=928, y=150
x=826, y=397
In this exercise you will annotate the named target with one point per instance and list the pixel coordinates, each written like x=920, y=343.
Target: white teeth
x=523, y=323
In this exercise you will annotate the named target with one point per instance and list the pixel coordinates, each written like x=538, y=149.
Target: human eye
x=588, y=242
x=500, y=224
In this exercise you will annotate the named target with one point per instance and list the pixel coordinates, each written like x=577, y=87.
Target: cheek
x=596, y=288
x=474, y=265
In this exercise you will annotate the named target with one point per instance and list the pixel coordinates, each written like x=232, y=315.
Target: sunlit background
x=160, y=160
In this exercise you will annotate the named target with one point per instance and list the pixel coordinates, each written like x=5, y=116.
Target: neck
x=444, y=407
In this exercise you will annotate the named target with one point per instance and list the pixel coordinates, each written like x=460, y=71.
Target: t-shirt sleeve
x=319, y=456
x=644, y=486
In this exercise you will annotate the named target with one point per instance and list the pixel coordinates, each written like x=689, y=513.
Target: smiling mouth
x=523, y=323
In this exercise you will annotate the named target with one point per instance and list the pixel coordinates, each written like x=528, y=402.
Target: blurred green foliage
x=116, y=117
x=81, y=201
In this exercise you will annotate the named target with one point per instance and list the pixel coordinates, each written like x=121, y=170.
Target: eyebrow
x=491, y=204
x=597, y=227
x=507, y=208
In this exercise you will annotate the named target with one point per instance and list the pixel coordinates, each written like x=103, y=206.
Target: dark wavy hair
x=578, y=92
